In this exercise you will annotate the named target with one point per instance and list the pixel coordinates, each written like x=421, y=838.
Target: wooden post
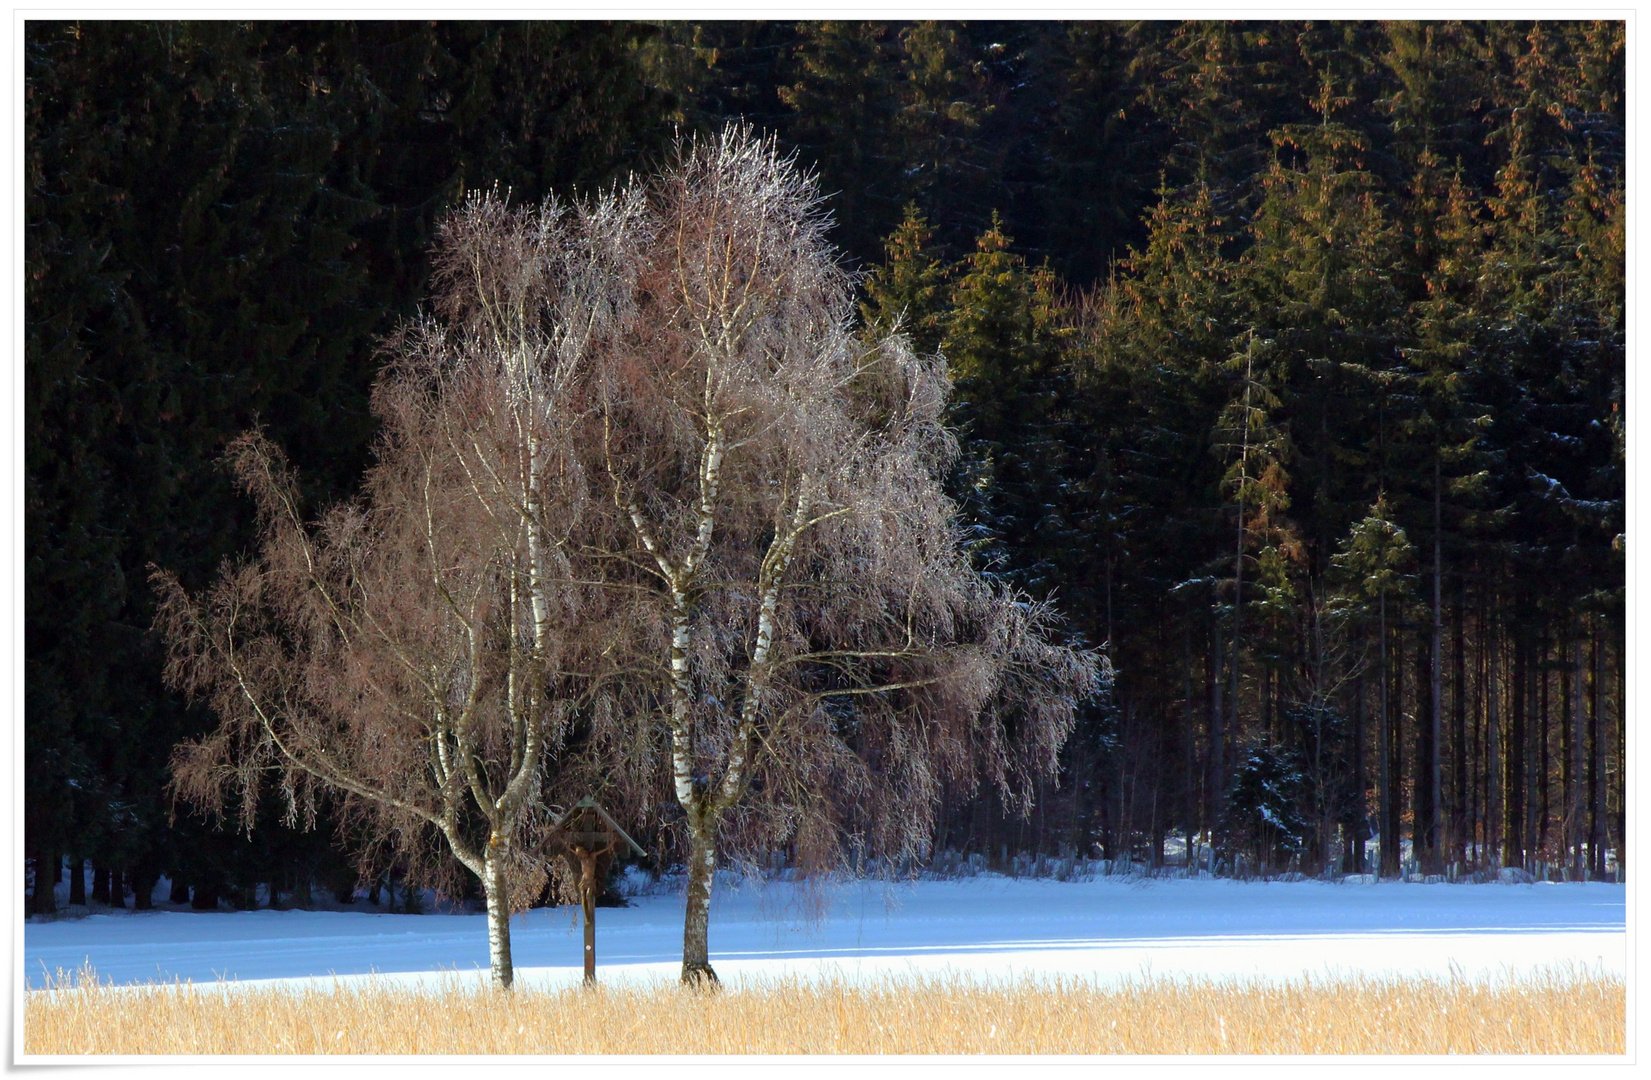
x=587, y=896
x=587, y=833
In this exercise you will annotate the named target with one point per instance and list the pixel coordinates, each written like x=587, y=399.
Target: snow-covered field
x=988, y=927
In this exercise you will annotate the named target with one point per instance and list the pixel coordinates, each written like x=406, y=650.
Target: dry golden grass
x=1554, y=1013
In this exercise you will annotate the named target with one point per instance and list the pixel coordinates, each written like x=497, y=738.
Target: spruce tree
x=909, y=288
x=1371, y=574
x=1003, y=342
x=845, y=102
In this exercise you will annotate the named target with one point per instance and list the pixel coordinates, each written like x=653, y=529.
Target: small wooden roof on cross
x=589, y=803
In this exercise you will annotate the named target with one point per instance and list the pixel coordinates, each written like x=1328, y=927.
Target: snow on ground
x=984, y=927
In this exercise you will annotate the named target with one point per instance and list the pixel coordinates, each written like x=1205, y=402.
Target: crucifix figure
x=587, y=834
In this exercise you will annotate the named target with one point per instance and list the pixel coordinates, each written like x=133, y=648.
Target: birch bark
x=497, y=889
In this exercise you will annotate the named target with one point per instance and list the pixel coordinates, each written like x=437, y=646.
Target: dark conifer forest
x=1289, y=361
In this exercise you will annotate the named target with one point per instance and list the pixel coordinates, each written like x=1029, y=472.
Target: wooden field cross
x=586, y=833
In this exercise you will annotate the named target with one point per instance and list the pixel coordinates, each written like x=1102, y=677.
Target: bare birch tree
x=646, y=510
x=825, y=655
x=423, y=654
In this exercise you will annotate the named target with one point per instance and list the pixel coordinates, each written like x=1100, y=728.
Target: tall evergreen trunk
x=1488, y=753
x=1319, y=786
x=143, y=887
x=1156, y=828
x=1189, y=806
x=1361, y=800
x=1496, y=832
x=1566, y=776
x=1125, y=821
x=1423, y=810
x=1544, y=770
x=1395, y=752
x=702, y=868
x=77, y=881
x=1620, y=839
x=1078, y=823
x=1218, y=717
x=1596, y=762
x=1479, y=777
x=1514, y=831
x=1387, y=839
x=497, y=890
x=1268, y=721
x=1190, y=800
x=47, y=867
x=1435, y=841
x=1567, y=698
x=1575, y=806
x=1461, y=801
x=1238, y=619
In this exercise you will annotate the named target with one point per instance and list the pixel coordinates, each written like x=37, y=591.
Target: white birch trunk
x=702, y=867
x=498, y=916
